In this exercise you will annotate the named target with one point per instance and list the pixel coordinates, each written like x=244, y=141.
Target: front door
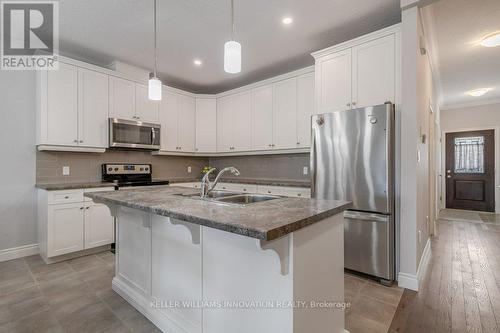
x=470, y=170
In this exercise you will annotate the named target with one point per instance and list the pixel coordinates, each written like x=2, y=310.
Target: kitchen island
x=193, y=265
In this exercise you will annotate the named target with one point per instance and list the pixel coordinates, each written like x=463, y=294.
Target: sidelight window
x=469, y=154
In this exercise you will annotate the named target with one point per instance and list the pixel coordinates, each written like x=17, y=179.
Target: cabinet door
x=186, y=135
x=206, y=125
x=93, y=103
x=374, y=69
x=305, y=108
x=224, y=124
x=285, y=114
x=333, y=82
x=64, y=229
x=262, y=116
x=242, y=128
x=145, y=109
x=62, y=106
x=168, y=120
x=121, y=98
x=99, y=226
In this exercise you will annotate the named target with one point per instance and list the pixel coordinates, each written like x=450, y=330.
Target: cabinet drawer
x=66, y=196
x=286, y=191
x=245, y=188
x=99, y=189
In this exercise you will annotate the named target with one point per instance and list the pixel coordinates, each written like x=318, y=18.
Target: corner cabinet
x=234, y=133
x=358, y=73
x=206, y=125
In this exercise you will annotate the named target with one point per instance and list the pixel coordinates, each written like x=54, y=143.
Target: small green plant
x=206, y=169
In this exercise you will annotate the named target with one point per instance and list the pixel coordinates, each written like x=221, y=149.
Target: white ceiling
x=463, y=64
x=101, y=31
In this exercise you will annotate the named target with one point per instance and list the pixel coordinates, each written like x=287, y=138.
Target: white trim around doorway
x=497, y=161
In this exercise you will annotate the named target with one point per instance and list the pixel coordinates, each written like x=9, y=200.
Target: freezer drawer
x=368, y=246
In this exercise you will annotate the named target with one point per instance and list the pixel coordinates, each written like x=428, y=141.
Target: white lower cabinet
x=68, y=223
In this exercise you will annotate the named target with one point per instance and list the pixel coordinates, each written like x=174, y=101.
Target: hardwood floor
x=460, y=291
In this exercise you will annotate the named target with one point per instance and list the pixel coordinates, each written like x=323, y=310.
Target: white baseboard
x=18, y=252
x=413, y=281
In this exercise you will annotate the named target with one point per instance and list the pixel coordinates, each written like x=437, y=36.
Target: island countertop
x=265, y=220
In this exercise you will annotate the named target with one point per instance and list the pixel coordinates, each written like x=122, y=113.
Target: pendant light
x=232, y=50
x=154, y=84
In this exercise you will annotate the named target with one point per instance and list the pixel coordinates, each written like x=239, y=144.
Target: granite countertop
x=265, y=220
x=73, y=186
x=262, y=181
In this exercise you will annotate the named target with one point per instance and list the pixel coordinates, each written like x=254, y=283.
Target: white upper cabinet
x=285, y=114
x=59, y=106
x=305, y=108
x=206, y=125
x=146, y=110
x=224, y=124
x=242, y=120
x=168, y=120
x=262, y=118
x=121, y=98
x=358, y=74
x=333, y=82
x=186, y=123
x=373, y=71
x=92, y=108
x=177, y=119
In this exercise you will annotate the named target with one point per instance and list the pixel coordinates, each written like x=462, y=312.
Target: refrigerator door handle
x=366, y=216
x=312, y=164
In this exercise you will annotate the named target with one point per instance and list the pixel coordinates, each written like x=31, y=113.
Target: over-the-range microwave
x=133, y=134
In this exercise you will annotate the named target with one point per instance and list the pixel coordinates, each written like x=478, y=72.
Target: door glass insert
x=469, y=154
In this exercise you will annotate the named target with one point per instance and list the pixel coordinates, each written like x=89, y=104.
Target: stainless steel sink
x=245, y=199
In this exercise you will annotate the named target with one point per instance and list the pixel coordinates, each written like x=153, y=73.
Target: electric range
x=130, y=174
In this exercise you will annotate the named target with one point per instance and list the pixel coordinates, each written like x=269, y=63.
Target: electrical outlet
x=305, y=171
x=189, y=169
x=65, y=170
x=419, y=236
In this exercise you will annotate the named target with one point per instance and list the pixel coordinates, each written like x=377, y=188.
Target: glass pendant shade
x=154, y=89
x=232, y=57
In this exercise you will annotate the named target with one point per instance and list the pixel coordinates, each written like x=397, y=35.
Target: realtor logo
x=30, y=35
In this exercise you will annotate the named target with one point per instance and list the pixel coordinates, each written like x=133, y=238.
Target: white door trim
x=497, y=160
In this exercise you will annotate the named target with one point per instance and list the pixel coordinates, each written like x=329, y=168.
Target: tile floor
x=76, y=296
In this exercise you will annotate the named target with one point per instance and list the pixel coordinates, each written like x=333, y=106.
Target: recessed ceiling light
x=287, y=20
x=491, y=40
x=479, y=92
x=197, y=62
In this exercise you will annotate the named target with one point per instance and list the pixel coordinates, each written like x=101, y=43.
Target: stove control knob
x=142, y=169
x=116, y=169
x=147, y=169
x=110, y=169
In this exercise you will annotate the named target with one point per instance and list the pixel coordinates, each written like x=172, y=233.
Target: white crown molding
x=406, y=4
x=393, y=29
x=18, y=252
x=483, y=102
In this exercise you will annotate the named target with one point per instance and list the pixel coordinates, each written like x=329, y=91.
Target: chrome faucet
x=205, y=181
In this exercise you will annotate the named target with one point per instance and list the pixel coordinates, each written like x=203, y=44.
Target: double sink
x=225, y=197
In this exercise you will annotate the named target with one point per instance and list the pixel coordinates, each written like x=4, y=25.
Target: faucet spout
x=205, y=182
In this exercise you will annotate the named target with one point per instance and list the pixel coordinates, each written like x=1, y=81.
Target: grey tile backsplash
x=279, y=167
x=86, y=167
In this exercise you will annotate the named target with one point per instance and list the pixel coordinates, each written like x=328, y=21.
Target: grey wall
x=85, y=167
x=17, y=167
x=282, y=167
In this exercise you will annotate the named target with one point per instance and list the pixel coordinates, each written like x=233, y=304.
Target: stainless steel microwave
x=133, y=134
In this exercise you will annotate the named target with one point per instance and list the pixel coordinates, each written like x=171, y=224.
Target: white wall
x=17, y=163
x=478, y=117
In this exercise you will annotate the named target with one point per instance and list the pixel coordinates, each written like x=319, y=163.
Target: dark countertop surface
x=73, y=186
x=261, y=181
x=265, y=220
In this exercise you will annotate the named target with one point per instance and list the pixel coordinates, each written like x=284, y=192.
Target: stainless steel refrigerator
x=352, y=158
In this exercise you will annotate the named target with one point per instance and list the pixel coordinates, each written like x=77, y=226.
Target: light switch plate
x=189, y=169
x=65, y=170
x=305, y=171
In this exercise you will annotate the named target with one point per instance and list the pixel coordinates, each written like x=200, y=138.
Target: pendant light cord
x=156, y=57
x=232, y=19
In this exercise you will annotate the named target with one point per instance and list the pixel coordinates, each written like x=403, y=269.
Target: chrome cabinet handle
x=66, y=197
x=353, y=103
x=81, y=208
x=87, y=207
x=76, y=141
x=298, y=143
x=81, y=141
x=348, y=104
